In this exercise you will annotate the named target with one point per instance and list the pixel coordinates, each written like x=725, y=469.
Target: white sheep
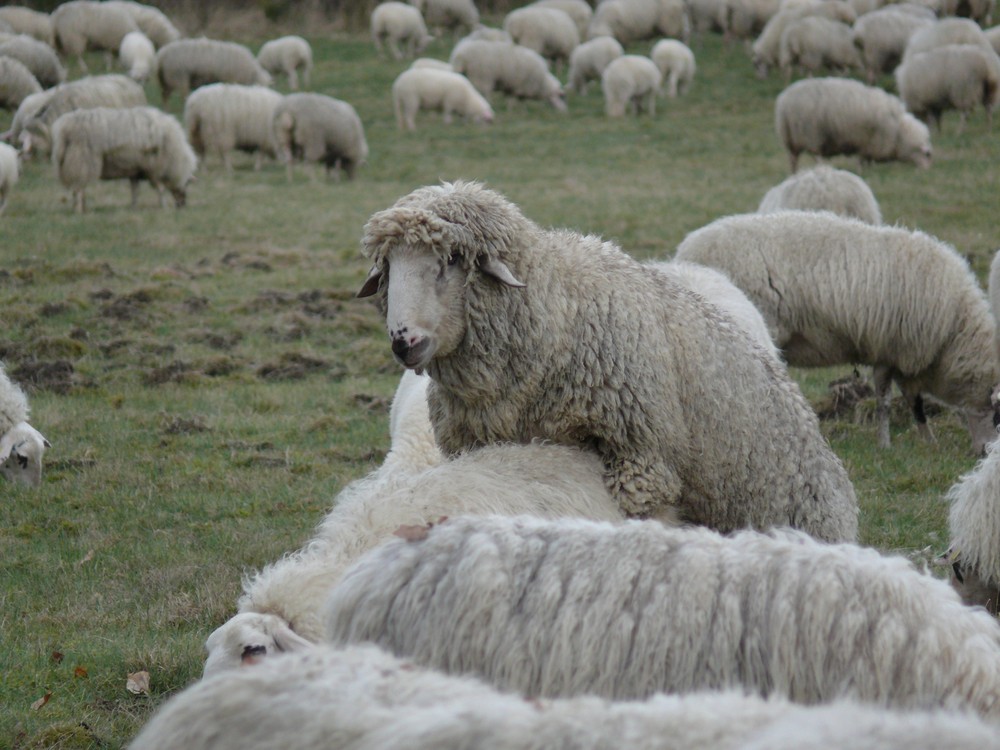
x=37, y=57
x=557, y=608
x=635, y=20
x=34, y=23
x=676, y=63
x=830, y=116
x=137, y=55
x=510, y=68
x=452, y=15
x=980, y=11
x=136, y=143
x=21, y=445
x=551, y=32
x=31, y=105
x=836, y=290
x=9, y=174
x=223, y=117
x=589, y=60
x=151, y=21
x=955, y=76
x=579, y=10
x=82, y=25
x=316, y=128
x=746, y=19
x=946, y=31
x=362, y=698
x=186, y=64
x=427, y=88
x=16, y=83
x=705, y=15
x=531, y=333
x=486, y=34
x=287, y=55
x=632, y=82
x=401, y=28
x=882, y=35
x=766, y=49
x=993, y=36
x=824, y=188
x=815, y=43
x=430, y=62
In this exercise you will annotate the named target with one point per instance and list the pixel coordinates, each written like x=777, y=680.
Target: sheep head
x=21, y=450
x=970, y=585
x=247, y=638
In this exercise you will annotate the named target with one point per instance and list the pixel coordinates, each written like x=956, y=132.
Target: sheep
x=510, y=68
x=84, y=93
x=766, y=49
x=186, y=64
x=579, y=10
x=27, y=109
x=223, y=117
x=589, y=60
x=993, y=37
x=557, y=608
x=363, y=698
x=21, y=445
x=836, y=290
x=980, y=11
x=82, y=25
x=705, y=15
x=548, y=31
x=536, y=333
x=151, y=21
x=281, y=607
x=955, y=76
x=635, y=20
x=630, y=80
x=452, y=15
x=37, y=57
x=814, y=43
x=288, y=55
x=113, y=144
x=676, y=63
x=138, y=56
x=881, y=37
x=426, y=88
x=9, y=173
x=824, y=188
x=396, y=23
x=946, y=31
x=486, y=34
x=745, y=19
x=430, y=62
x=27, y=21
x=16, y=83
x=830, y=116
x=317, y=128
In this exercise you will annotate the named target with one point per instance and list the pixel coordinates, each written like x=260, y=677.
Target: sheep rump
x=223, y=117
x=320, y=129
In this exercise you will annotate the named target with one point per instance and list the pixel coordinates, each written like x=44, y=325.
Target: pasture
x=209, y=382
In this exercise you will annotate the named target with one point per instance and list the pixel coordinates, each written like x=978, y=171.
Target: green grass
x=209, y=382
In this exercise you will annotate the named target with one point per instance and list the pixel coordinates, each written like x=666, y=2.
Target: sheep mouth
x=413, y=357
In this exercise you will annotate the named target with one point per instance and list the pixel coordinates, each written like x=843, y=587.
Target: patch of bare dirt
x=292, y=366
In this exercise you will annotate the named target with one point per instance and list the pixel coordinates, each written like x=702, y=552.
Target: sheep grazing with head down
x=676, y=63
x=824, y=188
x=224, y=117
x=16, y=83
x=426, y=88
x=589, y=60
x=37, y=57
x=517, y=71
x=186, y=64
x=547, y=334
x=82, y=25
x=549, y=31
x=401, y=28
x=21, y=445
x=631, y=82
x=288, y=56
x=137, y=55
x=316, y=128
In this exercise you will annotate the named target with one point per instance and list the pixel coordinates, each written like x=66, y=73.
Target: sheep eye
x=252, y=651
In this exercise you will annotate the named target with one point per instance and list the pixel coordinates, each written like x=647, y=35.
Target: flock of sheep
x=608, y=516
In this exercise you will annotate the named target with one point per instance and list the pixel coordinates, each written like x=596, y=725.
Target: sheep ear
x=371, y=283
x=499, y=271
x=287, y=639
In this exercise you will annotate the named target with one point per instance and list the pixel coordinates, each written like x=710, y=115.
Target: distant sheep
x=9, y=173
x=830, y=116
x=320, y=129
x=980, y=11
x=138, y=56
x=510, y=68
x=563, y=326
x=37, y=57
x=838, y=291
x=824, y=188
x=814, y=43
x=766, y=49
x=21, y=445
x=451, y=15
x=30, y=106
x=138, y=143
x=223, y=117
x=589, y=60
x=486, y=34
x=430, y=62
x=186, y=64
x=993, y=36
x=955, y=76
x=548, y=31
x=449, y=92
x=882, y=35
x=579, y=10
x=636, y=20
x=16, y=83
x=34, y=23
x=287, y=55
x=630, y=82
x=946, y=31
x=746, y=19
x=152, y=22
x=82, y=25
x=676, y=63
x=401, y=28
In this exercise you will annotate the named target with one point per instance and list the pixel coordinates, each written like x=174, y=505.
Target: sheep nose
x=400, y=348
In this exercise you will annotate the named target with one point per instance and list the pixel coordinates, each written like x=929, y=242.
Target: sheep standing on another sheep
x=548, y=31
x=16, y=83
x=401, y=28
x=37, y=57
x=426, y=88
x=830, y=116
x=27, y=21
x=223, y=117
x=676, y=63
x=815, y=43
x=546, y=334
x=138, y=56
x=114, y=144
x=21, y=445
x=824, y=188
x=512, y=69
x=287, y=55
x=589, y=60
x=186, y=64
x=452, y=15
x=320, y=129
x=955, y=76
x=82, y=25
x=838, y=291
x=630, y=81
x=882, y=35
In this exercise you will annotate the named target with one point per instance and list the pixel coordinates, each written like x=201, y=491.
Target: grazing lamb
x=623, y=611
x=37, y=57
x=512, y=69
x=830, y=116
x=530, y=333
x=224, y=117
x=630, y=81
x=824, y=188
x=882, y=35
x=635, y=20
x=815, y=43
x=186, y=64
x=451, y=15
x=82, y=25
x=427, y=88
x=151, y=21
x=589, y=60
x=16, y=83
x=839, y=291
x=766, y=49
x=21, y=445
x=317, y=129
x=113, y=144
x=946, y=31
x=287, y=55
x=401, y=28
x=579, y=10
x=27, y=21
x=676, y=63
x=548, y=31
x=955, y=76
x=138, y=56
x=362, y=698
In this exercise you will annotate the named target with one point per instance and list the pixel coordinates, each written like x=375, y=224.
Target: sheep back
x=824, y=188
x=37, y=57
x=27, y=21
x=16, y=83
x=319, y=128
x=187, y=64
x=82, y=25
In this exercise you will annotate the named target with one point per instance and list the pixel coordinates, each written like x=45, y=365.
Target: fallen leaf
x=41, y=702
x=86, y=558
x=80, y=672
x=137, y=683
x=56, y=657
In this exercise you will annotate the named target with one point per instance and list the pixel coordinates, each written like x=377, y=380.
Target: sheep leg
x=3, y=200
x=643, y=490
x=288, y=170
x=916, y=403
x=293, y=80
x=133, y=183
x=883, y=397
x=79, y=201
x=83, y=64
x=258, y=160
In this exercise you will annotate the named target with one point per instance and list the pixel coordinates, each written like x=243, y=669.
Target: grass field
x=209, y=382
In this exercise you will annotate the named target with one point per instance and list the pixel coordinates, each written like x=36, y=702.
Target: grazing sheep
x=882, y=35
x=37, y=57
x=705, y=15
x=746, y=19
x=394, y=24
x=362, y=698
x=946, y=31
x=630, y=81
x=486, y=34
x=114, y=144
x=28, y=108
x=510, y=68
x=27, y=21
x=824, y=188
x=556, y=608
x=21, y=445
x=980, y=11
x=451, y=15
x=287, y=55
x=427, y=88
x=186, y=64
x=549, y=31
x=635, y=20
x=151, y=21
x=138, y=56
x=16, y=83
x=815, y=43
x=839, y=291
x=579, y=10
x=223, y=117
x=830, y=116
x=530, y=333
x=676, y=63
x=766, y=49
x=320, y=129
x=82, y=25
x=589, y=60
x=955, y=76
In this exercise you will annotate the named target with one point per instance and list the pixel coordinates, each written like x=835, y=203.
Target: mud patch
x=175, y=372
x=173, y=425
x=57, y=375
x=128, y=306
x=292, y=366
x=216, y=340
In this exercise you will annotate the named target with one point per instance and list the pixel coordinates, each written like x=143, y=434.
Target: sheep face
x=974, y=590
x=248, y=637
x=21, y=451
x=914, y=144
